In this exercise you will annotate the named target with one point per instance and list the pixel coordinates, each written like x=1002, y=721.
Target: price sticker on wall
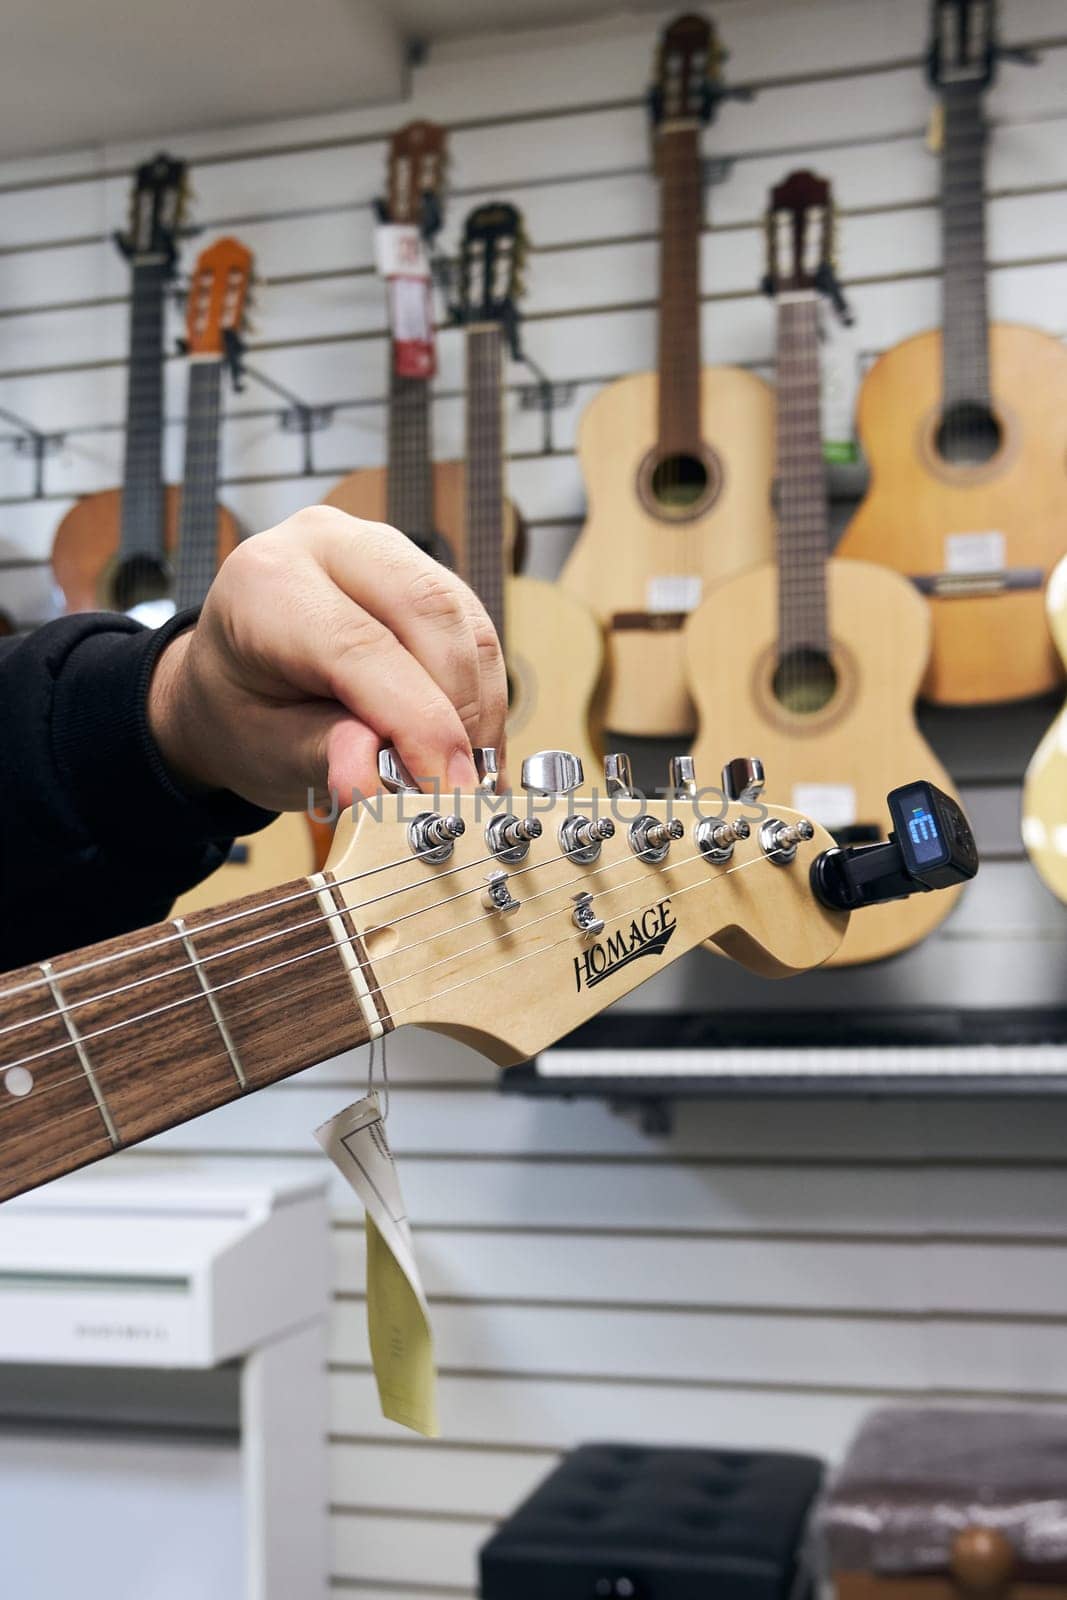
x=398, y=1317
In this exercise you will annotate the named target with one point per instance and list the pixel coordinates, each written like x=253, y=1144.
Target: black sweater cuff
x=104, y=749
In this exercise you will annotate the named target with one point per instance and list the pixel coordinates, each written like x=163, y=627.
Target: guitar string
x=116, y=1027
x=464, y=983
x=265, y=938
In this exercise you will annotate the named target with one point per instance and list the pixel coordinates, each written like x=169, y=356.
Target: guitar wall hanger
x=30, y=441
x=298, y=417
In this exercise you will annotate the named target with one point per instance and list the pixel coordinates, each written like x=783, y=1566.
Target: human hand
x=321, y=640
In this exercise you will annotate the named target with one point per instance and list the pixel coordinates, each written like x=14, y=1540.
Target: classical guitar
x=677, y=463
x=816, y=662
x=113, y=550
x=552, y=643
x=218, y=295
x=965, y=428
x=422, y=497
x=1045, y=784
x=106, y=1046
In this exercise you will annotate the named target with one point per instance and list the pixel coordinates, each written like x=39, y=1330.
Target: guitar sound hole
x=969, y=434
x=139, y=580
x=804, y=681
x=679, y=481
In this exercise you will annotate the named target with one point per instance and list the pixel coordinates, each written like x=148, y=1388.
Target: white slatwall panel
x=765, y=1272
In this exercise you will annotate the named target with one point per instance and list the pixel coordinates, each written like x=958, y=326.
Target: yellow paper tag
x=935, y=130
x=398, y=1318
x=401, y=1341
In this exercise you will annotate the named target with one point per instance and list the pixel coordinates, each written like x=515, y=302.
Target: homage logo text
x=647, y=935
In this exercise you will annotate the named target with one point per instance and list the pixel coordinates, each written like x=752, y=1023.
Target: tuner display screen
x=925, y=843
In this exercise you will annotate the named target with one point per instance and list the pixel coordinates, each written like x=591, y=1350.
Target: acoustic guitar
x=816, y=662
x=422, y=497
x=552, y=643
x=1045, y=785
x=113, y=551
x=965, y=429
x=677, y=463
x=217, y=301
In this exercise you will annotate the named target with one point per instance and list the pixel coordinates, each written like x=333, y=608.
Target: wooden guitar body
x=633, y=558
x=86, y=546
x=1045, y=784
x=986, y=647
x=365, y=494
x=284, y=850
x=554, y=657
x=850, y=753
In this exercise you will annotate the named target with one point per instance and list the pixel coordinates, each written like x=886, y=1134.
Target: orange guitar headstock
x=417, y=155
x=800, y=234
x=218, y=297
x=688, y=71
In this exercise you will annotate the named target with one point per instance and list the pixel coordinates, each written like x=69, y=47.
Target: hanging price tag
x=403, y=263
x=398, y=1318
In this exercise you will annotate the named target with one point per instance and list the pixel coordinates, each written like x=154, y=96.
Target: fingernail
x=461, y=773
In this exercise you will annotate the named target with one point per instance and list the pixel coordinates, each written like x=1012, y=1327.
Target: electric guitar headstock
x=416, y=176
x=507, y=919
x=158, y=204
x=217, y=302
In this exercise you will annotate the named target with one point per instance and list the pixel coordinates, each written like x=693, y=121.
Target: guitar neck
x=965, y=308
x=681, y=206
x=803, y=522
x=198, y=536
x=486, y=525
x=409, y=491
x=142, y=496
x=107, y=1046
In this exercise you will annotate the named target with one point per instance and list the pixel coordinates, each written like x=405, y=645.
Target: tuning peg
x=618, y=774
x=393, y=774
x=487, y=766
x=552, y=772
x=743, y=778
x=681, y=777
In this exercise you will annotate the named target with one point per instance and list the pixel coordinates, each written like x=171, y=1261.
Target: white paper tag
x=398, y=1316
x=975, y=552
x=673, y=593
x=399, y=251
x=832, y=804
x=410, y=310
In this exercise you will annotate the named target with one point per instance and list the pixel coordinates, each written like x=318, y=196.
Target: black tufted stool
x=620, y=1522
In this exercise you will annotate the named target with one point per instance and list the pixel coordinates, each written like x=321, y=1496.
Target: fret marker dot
x=18, y=1081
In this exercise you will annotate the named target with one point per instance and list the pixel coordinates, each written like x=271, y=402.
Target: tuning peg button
x=393, y=774
x=552, y=772
x=618, y=774
x=488, y=767
x=743, y=778
x=681, y=777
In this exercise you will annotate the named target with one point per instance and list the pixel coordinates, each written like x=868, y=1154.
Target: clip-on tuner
x=931, y=847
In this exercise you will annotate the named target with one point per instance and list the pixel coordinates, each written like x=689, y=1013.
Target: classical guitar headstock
x=800, y=234
x=963, y=45
x=158, y=202
x=509, y=919
x=687, y=87
x=490, y=269
x=218, y=300
x=416, y=175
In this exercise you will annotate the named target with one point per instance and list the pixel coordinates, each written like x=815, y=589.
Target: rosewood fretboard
x=198, y=530
x=681, y=205
x=965, y=310
x=486, y=525
x=803, y=523
x=142, y=494
x=409, y=478
x=109, y=1045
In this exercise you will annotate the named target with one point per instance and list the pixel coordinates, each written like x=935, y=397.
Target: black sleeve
x=95, y=837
